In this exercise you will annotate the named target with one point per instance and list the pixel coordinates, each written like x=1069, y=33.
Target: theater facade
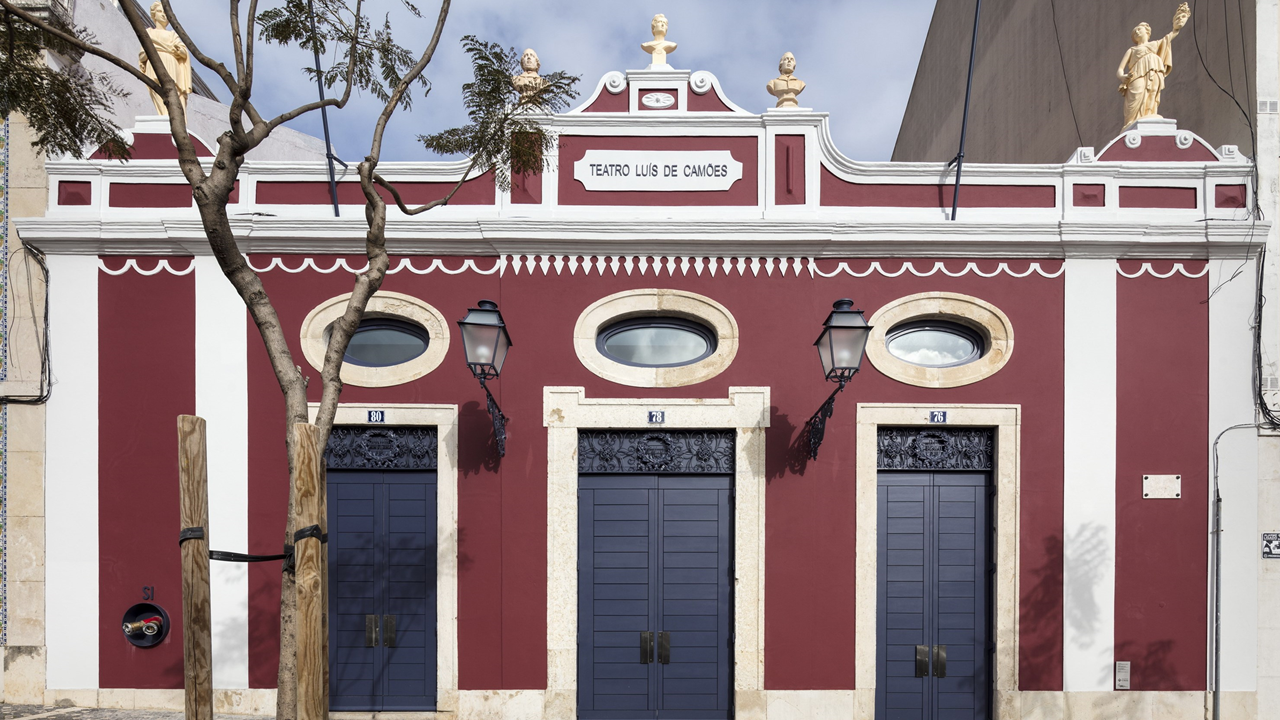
x=1008, y=515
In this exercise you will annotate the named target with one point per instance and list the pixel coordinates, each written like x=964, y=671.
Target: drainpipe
x=1215, y=535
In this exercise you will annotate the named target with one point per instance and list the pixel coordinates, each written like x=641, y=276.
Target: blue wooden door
x=382, y=585
x=934, y=651
x=655, y=604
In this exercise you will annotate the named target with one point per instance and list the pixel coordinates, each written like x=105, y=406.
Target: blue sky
x=858, y=58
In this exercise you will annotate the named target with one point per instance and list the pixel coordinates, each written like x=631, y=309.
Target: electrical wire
x=1269, y=416
x=1053, y=11
x=33, y=253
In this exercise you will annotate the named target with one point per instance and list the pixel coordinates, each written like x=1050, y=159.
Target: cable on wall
x=31, y=254
x=1053, y=12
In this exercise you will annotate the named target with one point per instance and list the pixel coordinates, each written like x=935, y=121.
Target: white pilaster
x=222, y=399
x=1231, y=403
x=71, y=475
x=1089, y=475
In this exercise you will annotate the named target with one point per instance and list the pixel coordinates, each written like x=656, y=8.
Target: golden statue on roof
x=1144, y=67
x=173, y=53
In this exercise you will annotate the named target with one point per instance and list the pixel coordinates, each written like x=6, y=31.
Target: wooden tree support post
x=308, y=465
x=193, y=510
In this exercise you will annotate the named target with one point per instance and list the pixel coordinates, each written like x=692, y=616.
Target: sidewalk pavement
x=34, y=712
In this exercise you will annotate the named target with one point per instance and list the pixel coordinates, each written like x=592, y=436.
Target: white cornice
x=1022, y=239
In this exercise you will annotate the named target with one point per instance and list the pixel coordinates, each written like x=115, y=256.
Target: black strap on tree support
x=311, y=531
x=197, y=533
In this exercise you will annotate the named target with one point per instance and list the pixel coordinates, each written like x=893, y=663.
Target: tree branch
x=434, y=203
x=237, y=45
x=263, y=129
x=375, y=150
x=87, y=48
x=248, y=51
x=214, y=65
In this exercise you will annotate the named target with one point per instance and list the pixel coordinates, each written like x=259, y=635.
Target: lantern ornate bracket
x=486, y=342
x=816, y=427
x=841, y=348
x=499, y=420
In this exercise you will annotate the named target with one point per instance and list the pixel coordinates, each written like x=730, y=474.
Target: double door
x=655, y=613
x=934, y=650
x=382, y=590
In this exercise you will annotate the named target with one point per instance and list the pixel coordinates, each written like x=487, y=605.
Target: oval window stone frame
x=987, y=319
x=385, y=304
x=655, y=302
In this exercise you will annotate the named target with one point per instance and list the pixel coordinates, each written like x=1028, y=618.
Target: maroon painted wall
x=1162, y=381
x=147, y=377
x=147, y=331
x=502, y=505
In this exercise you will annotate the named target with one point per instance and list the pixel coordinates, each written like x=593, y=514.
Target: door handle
x=922, y=661
x=940, y=661
x=664, y=647
x=646, y=647
x=371, y=631
x=389, y=630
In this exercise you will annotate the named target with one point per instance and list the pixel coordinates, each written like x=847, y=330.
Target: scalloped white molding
x=1176, y=269
x=132, y=263
x=642, y=264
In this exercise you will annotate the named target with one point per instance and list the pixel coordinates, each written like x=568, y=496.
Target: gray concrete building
x=1044, y=80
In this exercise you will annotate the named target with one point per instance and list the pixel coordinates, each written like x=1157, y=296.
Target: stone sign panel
x=657, y=170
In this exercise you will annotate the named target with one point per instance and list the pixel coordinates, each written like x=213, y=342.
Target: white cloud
x=858, y=58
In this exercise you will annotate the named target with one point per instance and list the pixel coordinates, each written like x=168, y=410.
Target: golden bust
x=529, y=82
x=786, y=86
x=659, y=46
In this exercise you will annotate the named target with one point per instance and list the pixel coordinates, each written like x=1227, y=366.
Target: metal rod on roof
x=324, y=115
x=958, y=160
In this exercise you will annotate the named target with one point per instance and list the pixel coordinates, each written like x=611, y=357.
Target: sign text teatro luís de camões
x=657, y=170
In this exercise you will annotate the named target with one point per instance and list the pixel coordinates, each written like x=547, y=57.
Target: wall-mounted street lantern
x=486, y=342
x=841, y=348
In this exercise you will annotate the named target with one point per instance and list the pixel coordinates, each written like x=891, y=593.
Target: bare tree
x=68, y=110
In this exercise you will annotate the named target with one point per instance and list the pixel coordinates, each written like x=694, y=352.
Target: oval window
x=383, y=342
x=656, y=342
x=935, y=343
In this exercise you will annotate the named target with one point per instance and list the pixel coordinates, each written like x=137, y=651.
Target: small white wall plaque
x=1122, y=675
x=1161, y=486
x=657, y=170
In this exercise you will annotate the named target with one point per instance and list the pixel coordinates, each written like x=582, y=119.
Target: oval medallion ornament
x=658, y=100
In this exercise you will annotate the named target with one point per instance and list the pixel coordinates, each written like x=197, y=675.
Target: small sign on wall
x=1271, y=546
x=1122, y=675
x=937, y=416
x=657, y=417
x=1161, y=486
x=377, y=416
x=657, y=170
